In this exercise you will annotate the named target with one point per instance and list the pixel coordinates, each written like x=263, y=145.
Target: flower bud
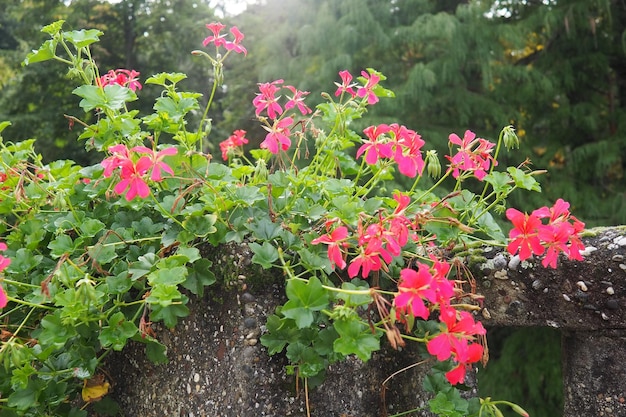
x=519, y=410
x=260, y=170
x=433, y=166
x=511, y=141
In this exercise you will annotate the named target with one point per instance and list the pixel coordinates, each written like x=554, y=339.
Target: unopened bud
x=433, y=166
x=519, y=410
x=260, y=170
x=511, y=141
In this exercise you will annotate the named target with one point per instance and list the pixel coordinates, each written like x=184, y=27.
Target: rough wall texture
x=219, y=368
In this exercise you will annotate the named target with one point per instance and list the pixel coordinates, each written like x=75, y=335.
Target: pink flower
x=156, y=159
x=366, y=90
x=216, y=38
x=132, y=179
x=473, y=155
x=120, y=155
x=335, y=240
x=122, y=77
x=414, y=288
x=407, y=151
x=346, y=86
x=375, y=148
x=3, y=298
x=368, y=259
x=4, y=263
x=234, y=141
x=236, y=44
x=297, y=100
x=278, y=136
x=267, y=100
x=524, y=235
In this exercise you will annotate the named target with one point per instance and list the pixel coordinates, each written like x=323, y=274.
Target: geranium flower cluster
x=123, y=77
x=394, y=142
x=134, y=164
x=4, y=263
x=219, y=39
x=365, y=91
x=276, y=122
x=233, y=143
x=474, y=155
x=559, y=234
x=376, y=243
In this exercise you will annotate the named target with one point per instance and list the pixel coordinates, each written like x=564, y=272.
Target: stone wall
x=219, y=368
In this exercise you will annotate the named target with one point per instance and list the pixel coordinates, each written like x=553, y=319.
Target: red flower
x=3, y=298
x=234, y=141
x=123, y=77
x=335, y=240
x=132, y=179
x=413, y=288
x=456, y=341
x=524, y=235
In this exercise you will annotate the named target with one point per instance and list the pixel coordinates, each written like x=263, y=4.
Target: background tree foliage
x=556, y=70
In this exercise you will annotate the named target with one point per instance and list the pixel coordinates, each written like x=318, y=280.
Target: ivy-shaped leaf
x=82, y=38
x=304, y=299
x=355, y=338
x=264, y=255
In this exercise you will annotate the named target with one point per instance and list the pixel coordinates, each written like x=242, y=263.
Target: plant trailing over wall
x=92, y=256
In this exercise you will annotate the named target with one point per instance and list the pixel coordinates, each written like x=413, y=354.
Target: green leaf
x=102, y=254
x=168, y=276
x=144, y=265
x=449, y=404
x=82, y=38
x=4, y=125
x=355, y=338
x=200, y=225
x=264, y=255
x=199, y=277
x=355, y=300
x=23, y=399
x=117, y=332
x=44, y=53
x=500, y=181
x=53, y=28
x=524, y=180
x=60, y=246
x=304, y=299
x=110, y=97
x=162, y=78
x=119, y=284
x=54, y=332
x=265, y=229
x=156, y=352
x=169, y=314
x=280, y=332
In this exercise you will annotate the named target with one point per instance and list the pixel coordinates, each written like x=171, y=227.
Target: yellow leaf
x=94, y=389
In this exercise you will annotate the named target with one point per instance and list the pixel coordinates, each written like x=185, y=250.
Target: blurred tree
x=155, y=35
x=553, y=69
